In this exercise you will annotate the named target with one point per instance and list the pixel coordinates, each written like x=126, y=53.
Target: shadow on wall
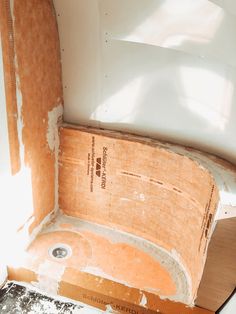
x=147, y=82
x=139, y=98
x=172, y=84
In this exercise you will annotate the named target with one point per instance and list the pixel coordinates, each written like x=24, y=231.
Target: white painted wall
x=228, y=5
x=162, y=68
x=230, y=307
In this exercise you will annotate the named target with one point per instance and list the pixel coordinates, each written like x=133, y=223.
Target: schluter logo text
x=98, y=166
x=101, y=170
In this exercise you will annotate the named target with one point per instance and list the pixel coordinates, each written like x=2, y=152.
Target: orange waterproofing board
x=34, y=98
x=32, y=73
x=88, y=244
x=107, y=295
x=142, y=187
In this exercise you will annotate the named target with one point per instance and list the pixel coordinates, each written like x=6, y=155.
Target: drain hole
x=60, y=251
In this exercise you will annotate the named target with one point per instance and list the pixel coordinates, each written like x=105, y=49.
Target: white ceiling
x=161, y=68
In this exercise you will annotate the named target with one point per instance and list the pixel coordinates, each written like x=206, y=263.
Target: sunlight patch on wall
x=121, y=106
x=194, y=22
x=16, y=195
x=207, y=94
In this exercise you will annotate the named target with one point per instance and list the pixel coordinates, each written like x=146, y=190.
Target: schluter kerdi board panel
x=142, y=187
x=33, y=92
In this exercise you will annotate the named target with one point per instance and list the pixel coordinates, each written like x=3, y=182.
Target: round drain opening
x=60, y=251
